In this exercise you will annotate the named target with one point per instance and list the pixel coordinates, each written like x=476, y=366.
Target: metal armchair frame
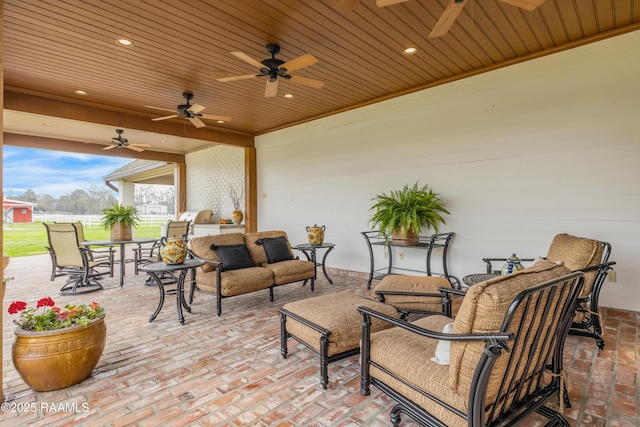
x=533, y=351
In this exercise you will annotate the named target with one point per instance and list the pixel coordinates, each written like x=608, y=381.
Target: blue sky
x=55, y=173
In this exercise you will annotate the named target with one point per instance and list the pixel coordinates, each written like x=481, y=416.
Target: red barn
x=17, y=211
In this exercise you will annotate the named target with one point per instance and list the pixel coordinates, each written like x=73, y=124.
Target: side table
x=156, y=269
x=309, y=251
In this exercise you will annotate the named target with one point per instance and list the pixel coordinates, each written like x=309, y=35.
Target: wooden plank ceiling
x=54, y=47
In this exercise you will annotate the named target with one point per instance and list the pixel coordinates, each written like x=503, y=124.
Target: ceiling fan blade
x=219, y=74
x=165, y=118
x=196, y=108
x=525, y=4
x=316, y=84
x=141, y=145
x=216, y=118
x=384, y=3
x=447, y=19
x=271, y=88
x=158, y=108
x=300, y=62
x=196, y=122
x=246, y=58
x=109, y=147
x=134, y=148
x=234, y=78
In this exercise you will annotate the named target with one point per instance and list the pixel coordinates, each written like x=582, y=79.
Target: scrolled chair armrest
x=367, y=312
x=199, y=258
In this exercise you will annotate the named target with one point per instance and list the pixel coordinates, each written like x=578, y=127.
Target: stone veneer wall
x=209, y=174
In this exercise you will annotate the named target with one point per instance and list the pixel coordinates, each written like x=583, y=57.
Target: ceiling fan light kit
x=275, y=69
x=120, y=142
x=191, y=112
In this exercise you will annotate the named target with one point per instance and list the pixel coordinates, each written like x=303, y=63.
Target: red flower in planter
x=17, y=306
x=45, y=302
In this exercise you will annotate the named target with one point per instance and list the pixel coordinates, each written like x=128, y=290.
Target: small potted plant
x=120, y=219
x=57, y=347
x=401, y=214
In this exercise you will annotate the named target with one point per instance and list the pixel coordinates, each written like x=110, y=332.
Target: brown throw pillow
x=276, y=249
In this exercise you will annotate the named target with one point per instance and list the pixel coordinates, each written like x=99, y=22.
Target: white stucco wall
x=209, y=174
x=519, y=155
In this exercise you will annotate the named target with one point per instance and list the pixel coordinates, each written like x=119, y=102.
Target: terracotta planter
x=51, y=360
x=121, y=232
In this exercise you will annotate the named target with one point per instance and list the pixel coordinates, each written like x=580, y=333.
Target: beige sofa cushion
x=201, y=246
x=483, y=310
x=235, y=282
x=577, y=253
x=290, y=271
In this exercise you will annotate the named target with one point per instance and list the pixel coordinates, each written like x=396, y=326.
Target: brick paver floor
x=228, y=371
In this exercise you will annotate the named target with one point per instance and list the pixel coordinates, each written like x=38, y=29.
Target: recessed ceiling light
x=79, y=92
x=124, y=42
x=48, y=124
x=288, y=95
x=345, y=4
x=220, y=121
x=410, y=50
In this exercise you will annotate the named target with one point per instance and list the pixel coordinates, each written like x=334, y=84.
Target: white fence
x=94, y=220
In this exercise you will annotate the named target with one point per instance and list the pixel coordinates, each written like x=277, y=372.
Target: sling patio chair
x=70, y=259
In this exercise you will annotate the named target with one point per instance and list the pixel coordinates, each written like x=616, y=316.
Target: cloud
x=54, y=172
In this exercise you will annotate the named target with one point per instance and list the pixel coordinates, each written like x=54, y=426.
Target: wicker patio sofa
x=237, y=264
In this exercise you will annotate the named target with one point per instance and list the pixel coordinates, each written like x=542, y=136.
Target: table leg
x=161, y=289
x=324, y=269
x=180, y=302
x=122, y=264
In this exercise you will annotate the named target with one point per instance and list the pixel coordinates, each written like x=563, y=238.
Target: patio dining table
x=122, y=261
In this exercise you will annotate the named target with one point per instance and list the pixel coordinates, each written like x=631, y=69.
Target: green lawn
x=26, y=239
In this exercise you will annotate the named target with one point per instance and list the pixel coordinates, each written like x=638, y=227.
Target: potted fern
x=120, y=219
x=401, y=214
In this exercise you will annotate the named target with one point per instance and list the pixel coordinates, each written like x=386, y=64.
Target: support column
x=250, y=191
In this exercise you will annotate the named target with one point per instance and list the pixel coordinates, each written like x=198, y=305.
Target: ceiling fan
x=454, y=8
x=119, y=141
x=274, y=68
x=190, y=112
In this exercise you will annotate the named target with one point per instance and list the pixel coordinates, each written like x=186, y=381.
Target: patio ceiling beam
x=38, y=103
x=55, y=144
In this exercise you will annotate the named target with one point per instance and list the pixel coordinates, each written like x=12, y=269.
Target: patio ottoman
x=330, y=325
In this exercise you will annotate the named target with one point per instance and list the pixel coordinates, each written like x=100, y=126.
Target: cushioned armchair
x=504, y=356
x=70, y=259
x=592, y=258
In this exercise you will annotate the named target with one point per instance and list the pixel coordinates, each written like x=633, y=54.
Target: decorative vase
x=173, y=250
x=51, y=360
x=512, y=265
x=120, y=231
x=316, y=235
x=237, y=217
